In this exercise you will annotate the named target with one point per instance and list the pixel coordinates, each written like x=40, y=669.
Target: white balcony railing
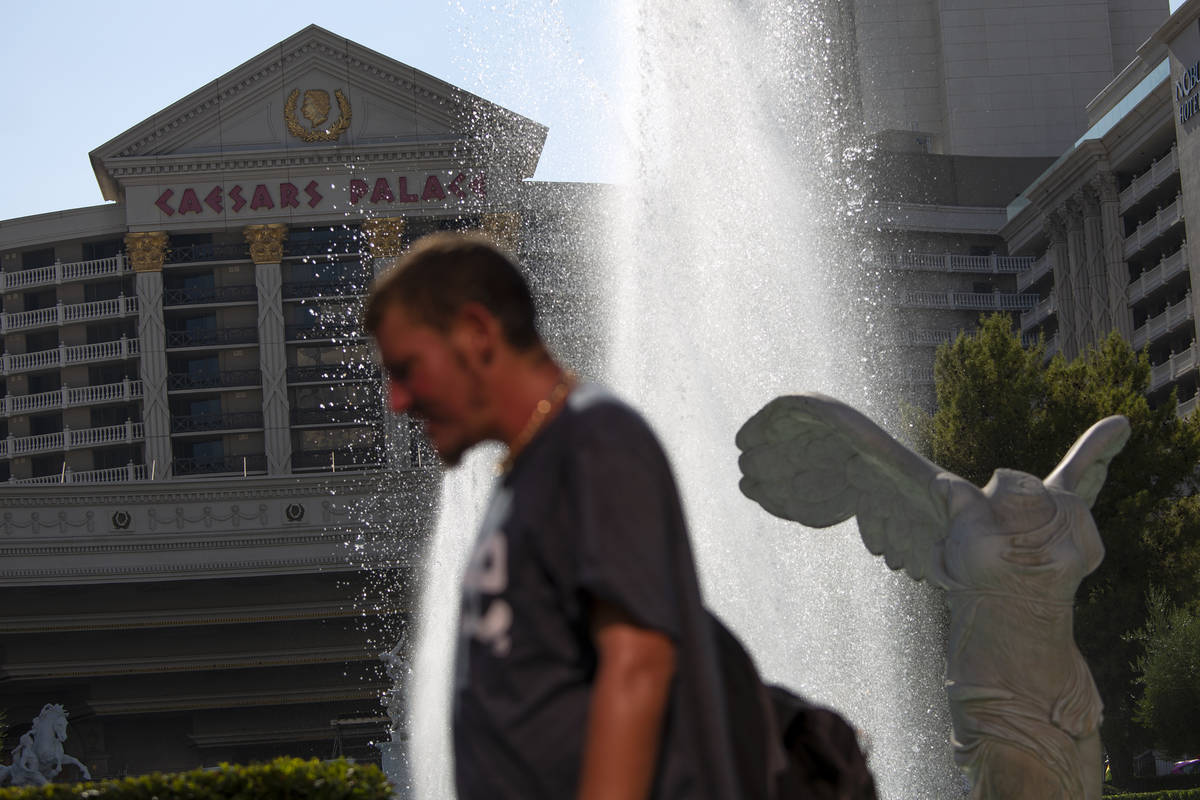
x=1158, y=172
x=1154, y=227
x=927, y=337
x=1035, y=273
x=67, y=439
x=920, y=376
x=947, y=262
x=61, y=273
x=1040, y=312
x=970, y=301
x=63, y=355
x=1174, y=368
x=128, y=473
x=1158, y=326
x=1186, y=407
x=1150, y=280
x=70, y=398
x=62, y=315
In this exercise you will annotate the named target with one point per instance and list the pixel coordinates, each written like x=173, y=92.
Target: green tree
x=1003, y=405
x=1170, y=676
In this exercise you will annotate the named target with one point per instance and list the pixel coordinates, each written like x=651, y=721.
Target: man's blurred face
x=430, y=378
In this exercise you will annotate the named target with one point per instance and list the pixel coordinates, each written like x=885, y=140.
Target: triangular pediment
x=315, y=95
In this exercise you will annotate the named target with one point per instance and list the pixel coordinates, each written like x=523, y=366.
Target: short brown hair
x=443, y=272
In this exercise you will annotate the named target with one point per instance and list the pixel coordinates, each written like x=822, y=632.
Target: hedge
x=281, y=779
x=1165, y=794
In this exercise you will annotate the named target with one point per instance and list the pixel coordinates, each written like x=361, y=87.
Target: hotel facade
x=208, y=535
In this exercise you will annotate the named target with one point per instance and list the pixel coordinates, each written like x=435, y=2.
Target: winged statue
x=1010, y=556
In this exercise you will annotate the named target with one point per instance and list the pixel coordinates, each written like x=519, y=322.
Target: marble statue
x=38, y=757
x=395, y=750
x=1010, y=556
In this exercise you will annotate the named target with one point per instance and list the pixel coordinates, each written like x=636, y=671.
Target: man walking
x=586, y=664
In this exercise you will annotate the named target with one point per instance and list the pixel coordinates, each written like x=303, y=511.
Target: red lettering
x=238, y=200
x=383, y=191
x=289, y=196
x=189, y=202
x=358, y=190
x=402, y=187
x=261, y=198
x=314, y=196
x=213, y=199
x=455, y=187
x=161, y=202
x=433, y=189
x=479, y=186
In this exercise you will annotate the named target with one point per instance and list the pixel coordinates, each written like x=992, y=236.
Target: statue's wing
x=817, y=461
x=1085, y=466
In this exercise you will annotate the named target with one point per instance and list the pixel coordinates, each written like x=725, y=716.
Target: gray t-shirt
x=590, y=510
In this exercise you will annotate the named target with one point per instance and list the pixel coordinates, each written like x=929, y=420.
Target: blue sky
x=82, y=72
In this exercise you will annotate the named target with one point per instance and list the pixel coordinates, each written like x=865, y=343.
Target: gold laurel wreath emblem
x=330, y=134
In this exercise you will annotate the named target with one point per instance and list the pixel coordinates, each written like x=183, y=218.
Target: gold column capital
x=384, y=235
x=504, y=229
x=266, y=242
x=146, y=250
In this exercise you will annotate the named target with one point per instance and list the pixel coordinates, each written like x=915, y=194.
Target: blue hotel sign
x=1186, y=94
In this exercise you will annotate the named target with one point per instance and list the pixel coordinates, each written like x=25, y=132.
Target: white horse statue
x=38, y=758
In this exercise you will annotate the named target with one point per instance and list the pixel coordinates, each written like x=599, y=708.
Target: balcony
x=1156, y=226
x=1174, y=368
x=57, y=273
x=1035, y=273
x=226, y=379
x=201, y=423
x=1039, y=313
x=68, y=439
x=212, y=337
x=1152, y=279
x=316, y=289
x=327, y=331
x=1186, y=407
x=332, y=373
x=336, y=416
x=1158, y=326
x=342, y=248
x=336, y=460
x=232, y=465
x=208, y=252
x=945, y=262
x=126, y=474
x=918, y=376
x=211, y=295
x=1143, y=184
x=71, y=398
x=63, y=315
x=927, y=337
x=970, y=301
x=63, y=355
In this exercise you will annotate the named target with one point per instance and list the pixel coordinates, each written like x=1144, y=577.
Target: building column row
x=146, y=252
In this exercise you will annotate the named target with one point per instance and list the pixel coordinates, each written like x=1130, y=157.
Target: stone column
x=146, y=252
x=503, y=228
x=1056, y=231
x=266, y=251
x=1080, y=290
x=1095, y=267
x=1116, y=271
x=385, y=241
x=384, y=238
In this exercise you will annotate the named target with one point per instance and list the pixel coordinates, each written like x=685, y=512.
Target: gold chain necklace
x=537, y=419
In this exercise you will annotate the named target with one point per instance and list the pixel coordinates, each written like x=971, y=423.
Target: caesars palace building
x=192, y=437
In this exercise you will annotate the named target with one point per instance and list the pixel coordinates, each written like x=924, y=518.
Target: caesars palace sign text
x=248, y=199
